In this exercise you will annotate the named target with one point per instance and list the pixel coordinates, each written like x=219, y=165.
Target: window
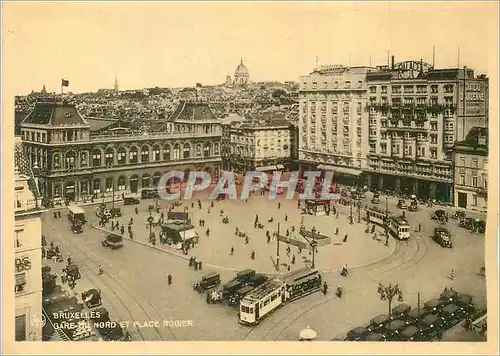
x=21, y=327
x=433, y=153
x=474, y=181
x=396, y=89
x=145, y=154
x=373, y=89
x=384, y=89
x=474, y=200
x=347, y=84
x=474, y=163
x=20, y=283
x=462, y=179
x=185, y=151
x=372, y=148
x=383, y=147
x=434, y=89
x=216, y=148
x=18, y=241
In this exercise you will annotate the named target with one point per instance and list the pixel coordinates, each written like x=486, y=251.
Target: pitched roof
x=97, y=124
x=475, y=142
x=55, y=114
x=192, y=111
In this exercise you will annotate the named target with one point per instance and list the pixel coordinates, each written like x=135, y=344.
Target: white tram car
x=399, y=228
x=273, y=294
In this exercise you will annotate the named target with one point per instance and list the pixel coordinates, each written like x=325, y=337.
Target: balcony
x=21, y=206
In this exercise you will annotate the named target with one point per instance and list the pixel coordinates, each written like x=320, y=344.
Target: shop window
x=21, y=327
x=20, y=283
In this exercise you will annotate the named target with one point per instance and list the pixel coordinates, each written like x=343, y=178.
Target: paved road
x=135, y=284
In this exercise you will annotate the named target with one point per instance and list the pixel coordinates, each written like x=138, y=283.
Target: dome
x=241, y=70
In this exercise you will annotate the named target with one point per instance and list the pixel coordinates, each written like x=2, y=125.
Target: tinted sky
x=173, y=44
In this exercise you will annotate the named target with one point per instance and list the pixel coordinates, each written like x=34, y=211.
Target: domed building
x=241, y=75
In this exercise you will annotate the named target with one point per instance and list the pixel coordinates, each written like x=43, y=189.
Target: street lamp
x=388, y=293
x=350, y=215
x=359, y=211
x=150, y=221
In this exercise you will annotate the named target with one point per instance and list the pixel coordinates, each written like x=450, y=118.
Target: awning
x=188, y=234
x=265, y=168
x=280, y=166
x=341, y=170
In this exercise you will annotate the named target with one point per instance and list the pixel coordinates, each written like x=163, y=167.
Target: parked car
x=451, y=315
x=413, y=206
x=443, y=237
x=464, y=301
x=434, y=305
x=375, y=337
x=414, y=314
x=400, y=311
x=459, y=215
x=378, y=323
x=410, y=333
x=357, y=334
x=402, y=204
x=431, y=327
x=392, y=330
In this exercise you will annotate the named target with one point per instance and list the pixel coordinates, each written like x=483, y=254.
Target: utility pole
x=278, y=249
x=418, y=310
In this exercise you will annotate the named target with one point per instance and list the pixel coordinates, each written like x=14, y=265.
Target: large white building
x=28, y=260
x=333, y=121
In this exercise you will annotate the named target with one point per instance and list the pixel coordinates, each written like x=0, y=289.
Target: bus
x=302, y=282
x=399, y=228
x=376, y=216
x=76, y=214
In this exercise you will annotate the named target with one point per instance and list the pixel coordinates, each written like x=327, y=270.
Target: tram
x=376, y=216
x=274, y=293
x=399, y=227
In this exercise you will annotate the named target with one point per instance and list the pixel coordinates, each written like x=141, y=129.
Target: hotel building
x=416, y=114
x=333, y=121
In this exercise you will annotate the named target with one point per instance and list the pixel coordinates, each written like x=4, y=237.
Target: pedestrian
x=252, y=256
x=136, y=211
x=69, y=261
x=286, y=217
x=337, y=231
x=268, y=238
x=207, y=232
x=293, y=259
x=131, y=235
x=246, y=240
x=287, y=232
x=59, y=214
x=279, y=205
x=387, y=240
x=419, y=228
x=452, y=275
x=231, y=253
x=345, y=238
x=169, y=278
x=192, y=205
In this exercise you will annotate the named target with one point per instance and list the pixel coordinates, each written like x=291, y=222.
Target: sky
x=179, y=44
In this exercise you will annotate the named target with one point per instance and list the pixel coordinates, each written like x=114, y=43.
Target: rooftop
x=56, y=114
x=192, y=111
x=476, y=142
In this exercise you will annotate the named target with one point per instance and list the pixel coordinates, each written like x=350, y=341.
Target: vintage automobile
x=113, y=241
x=434, y=305
x=77, y=228
x=431, y=327
x=115, y=212
x=208, y=281
x=449, y=295
x=376, y=198
x=92, y=298
x=214, y=296
x=149, y=193
x=439, y=215
x=357, y=334
x=73, y=271
x=413, y=206
x=400, y=311
x=378, y=323
x=451, y=315
x=459, y=215
x=464, y=301
x=443, y=237
x=415, y=314
x=131, y=199
x=392, y=330
x=402, y=204
x=410, y=333
x=375, y=337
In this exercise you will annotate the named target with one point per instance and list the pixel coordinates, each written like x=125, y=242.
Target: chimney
x=392, y=62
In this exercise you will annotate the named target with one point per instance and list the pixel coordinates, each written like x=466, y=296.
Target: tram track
x=87, y=252
x=415, y=256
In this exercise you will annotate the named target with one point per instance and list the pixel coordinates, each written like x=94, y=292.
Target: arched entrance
x=145, y=180
x=69, y=191
x=134, y=184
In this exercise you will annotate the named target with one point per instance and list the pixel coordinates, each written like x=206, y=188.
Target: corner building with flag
x=80, y=159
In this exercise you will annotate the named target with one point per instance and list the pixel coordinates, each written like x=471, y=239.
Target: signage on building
x=476, y=101
x=23, y=264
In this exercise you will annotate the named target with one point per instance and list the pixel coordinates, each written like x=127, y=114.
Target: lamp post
x=359, y=211
x=389, y=292
x=313, y=245
x=350, y=214
x=278, y=249
x=150, y=221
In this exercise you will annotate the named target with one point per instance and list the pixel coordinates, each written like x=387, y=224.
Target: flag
x=64, y=83
x=198, y=85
